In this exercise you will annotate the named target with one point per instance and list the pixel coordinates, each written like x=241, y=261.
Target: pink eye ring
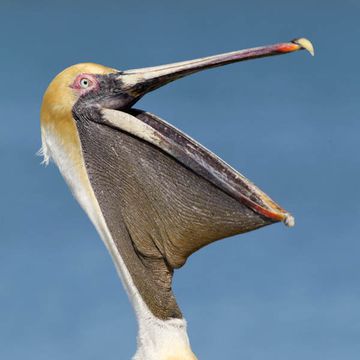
x=84, y=82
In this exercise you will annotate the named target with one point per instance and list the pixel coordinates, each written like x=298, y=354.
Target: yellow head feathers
x=59, y=97
x=58, y=101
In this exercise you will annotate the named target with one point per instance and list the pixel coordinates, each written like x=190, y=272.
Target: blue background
x=289, y=123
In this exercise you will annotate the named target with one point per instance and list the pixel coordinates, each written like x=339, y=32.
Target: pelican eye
x=85, y=83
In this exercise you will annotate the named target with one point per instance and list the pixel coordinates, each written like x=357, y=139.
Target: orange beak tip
x=288, y=47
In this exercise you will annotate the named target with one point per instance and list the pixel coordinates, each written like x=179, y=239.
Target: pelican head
x=154, y=194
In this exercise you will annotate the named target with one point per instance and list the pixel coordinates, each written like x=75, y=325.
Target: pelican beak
x=133, y=84
x=137, y=82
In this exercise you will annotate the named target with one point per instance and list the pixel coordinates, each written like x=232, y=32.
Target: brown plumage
x=154, y=195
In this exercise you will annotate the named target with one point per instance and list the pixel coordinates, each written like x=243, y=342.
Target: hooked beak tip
x=305, y=44
x=297, y=44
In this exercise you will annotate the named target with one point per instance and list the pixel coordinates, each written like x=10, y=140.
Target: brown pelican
x=154, y=194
